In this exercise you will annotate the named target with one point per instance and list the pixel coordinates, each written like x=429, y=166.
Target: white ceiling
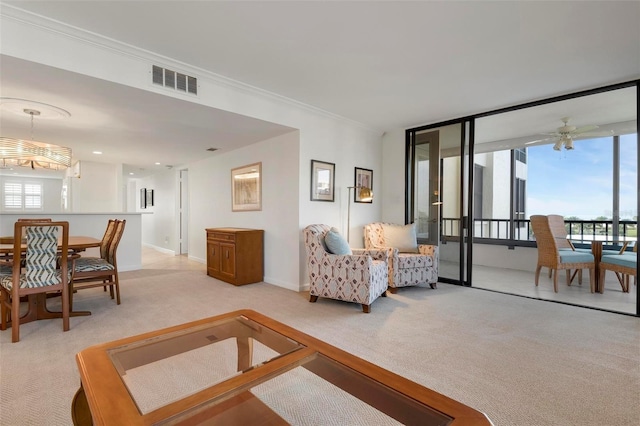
x=385, y=64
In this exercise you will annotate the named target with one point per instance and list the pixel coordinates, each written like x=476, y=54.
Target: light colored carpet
x=521, y=361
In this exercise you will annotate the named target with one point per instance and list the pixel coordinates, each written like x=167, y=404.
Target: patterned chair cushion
x=92, y=264
x=7, y=280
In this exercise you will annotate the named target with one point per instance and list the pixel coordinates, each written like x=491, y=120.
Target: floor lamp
x=365, y=195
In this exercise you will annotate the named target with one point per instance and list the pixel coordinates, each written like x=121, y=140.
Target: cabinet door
x=228, y=260
x=213, y=256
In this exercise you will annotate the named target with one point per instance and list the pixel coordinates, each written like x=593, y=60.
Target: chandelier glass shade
x=32, y=154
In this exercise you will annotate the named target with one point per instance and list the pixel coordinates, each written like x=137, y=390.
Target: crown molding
x=99, y=41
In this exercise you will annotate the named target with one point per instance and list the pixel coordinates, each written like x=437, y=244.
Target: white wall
x=322, y=136
x=210, y=204
x=393, y=189
x=98, y=189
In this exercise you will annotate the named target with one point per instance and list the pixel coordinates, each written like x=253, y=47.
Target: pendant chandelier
x=31, y=153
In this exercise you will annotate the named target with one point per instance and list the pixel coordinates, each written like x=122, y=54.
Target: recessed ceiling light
x=97, y=152
x=131, y=173
x=157, y=164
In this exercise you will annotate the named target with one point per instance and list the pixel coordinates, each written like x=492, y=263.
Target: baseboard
x=287, y=285
x=160, y=249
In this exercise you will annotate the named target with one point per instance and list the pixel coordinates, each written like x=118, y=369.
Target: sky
x=579, y=182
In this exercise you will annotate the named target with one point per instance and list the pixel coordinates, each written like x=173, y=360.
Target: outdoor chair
x=89, y=272
x=410, y=264
x=624, y=264
x=550, y=256
x=559, y=231
x=358, y=276
x=45, y=270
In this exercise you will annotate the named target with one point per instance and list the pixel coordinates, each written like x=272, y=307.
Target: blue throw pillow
x=336, y=243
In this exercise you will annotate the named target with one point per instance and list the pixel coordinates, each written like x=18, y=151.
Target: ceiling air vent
x=174, y=80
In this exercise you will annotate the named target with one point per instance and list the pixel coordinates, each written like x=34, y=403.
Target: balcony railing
x=507, y=231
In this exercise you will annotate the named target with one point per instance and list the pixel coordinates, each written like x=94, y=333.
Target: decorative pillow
x=336, y=243
x=402, y=237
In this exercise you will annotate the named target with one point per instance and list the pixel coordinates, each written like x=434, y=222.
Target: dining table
x=37, y=303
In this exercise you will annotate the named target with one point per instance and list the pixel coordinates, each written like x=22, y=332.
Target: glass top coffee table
x=244, y=368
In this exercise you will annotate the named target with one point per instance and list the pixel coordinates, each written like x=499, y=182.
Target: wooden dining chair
x=550, y=256
x=45, y=270
x=89, y=272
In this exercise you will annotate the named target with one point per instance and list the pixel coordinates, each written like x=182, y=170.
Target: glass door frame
x=470, y=120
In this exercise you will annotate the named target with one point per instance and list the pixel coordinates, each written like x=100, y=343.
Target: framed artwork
x=363, y=179
x=143, y=198
x=246, y=188
x=150, y=197
x=322, y=180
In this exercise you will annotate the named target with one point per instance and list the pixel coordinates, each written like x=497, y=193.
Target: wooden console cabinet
x=235, y=255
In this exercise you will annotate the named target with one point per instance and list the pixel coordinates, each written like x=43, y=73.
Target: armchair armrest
x=428, y=250
x=376, y=254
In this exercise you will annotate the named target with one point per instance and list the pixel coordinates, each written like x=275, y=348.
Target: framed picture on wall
x=363, y=179
x=322, y=180
x=143, y=198
x=150, y=197
x=246, y=188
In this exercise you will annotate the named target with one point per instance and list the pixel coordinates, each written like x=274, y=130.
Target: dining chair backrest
x=113, y=246
x=545, y=240
x=30, y=220
x=106, y=238
x=42, y=254
x=559, y=231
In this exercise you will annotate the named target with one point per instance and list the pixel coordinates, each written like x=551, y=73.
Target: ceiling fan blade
x=539, y=140
x=583, y=129
x=600, y=134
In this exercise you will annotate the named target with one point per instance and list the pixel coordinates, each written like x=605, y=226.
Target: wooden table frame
x=104, y=399
x=37, y=303
x=596, y=250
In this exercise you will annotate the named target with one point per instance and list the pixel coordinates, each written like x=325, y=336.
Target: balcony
x=507, y=264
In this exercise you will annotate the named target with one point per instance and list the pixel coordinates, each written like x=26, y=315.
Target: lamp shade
x=365, y=194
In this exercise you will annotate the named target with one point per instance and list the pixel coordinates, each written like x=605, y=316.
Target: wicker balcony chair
x=624, y=264
x=550, y=256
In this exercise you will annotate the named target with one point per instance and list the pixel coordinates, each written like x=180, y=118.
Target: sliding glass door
x=439, y=175
x=574, y=155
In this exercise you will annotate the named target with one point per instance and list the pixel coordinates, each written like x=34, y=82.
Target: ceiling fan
x=566, y=133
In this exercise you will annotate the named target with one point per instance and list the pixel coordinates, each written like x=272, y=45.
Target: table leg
x=245, y=352
x=596, y=250
x=80, y=411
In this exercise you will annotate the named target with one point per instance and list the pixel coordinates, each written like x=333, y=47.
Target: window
x=22, y=195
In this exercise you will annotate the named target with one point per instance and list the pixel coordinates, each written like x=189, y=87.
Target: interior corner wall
x=98, y=190
x=210, y=204
x=393, y=152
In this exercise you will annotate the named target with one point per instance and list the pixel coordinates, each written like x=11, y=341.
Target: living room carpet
x=520, y=361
